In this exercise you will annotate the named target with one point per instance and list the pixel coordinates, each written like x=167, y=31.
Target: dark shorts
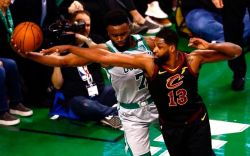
x=193, y=139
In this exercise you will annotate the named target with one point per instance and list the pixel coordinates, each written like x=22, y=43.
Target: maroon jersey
x=176, y=92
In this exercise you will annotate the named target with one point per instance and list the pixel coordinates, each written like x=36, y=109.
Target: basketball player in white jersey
x=136, y=107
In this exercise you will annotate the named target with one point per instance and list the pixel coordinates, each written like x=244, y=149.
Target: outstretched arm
x=211, y=52
x=102, y=56
x=55, y=60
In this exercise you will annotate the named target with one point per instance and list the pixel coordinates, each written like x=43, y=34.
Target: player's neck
x=132, y=42
x=173, y=63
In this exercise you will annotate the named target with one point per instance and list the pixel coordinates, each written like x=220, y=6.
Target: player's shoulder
x=148, y=38
x=190, y=57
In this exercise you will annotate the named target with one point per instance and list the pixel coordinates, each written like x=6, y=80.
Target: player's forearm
x=49, y=60
x=91, y=54
x=97, y=55
x=103, y=56
x=228, y=49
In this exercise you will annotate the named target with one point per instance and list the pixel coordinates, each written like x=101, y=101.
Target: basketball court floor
x=229, y=117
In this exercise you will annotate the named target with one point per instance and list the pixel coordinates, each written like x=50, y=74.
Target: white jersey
x=137, y=109
x=130, y=84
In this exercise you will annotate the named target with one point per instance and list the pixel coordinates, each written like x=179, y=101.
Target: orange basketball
x=27, y=36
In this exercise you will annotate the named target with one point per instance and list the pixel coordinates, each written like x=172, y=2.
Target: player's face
x=86, y=19
x=119, y=34
x=161, y=49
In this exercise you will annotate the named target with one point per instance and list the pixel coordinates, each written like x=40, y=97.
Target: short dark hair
x=115, y=17
x=169, y=36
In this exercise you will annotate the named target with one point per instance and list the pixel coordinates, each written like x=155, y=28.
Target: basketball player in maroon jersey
x=173, y=83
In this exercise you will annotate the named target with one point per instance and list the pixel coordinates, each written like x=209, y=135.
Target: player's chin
x=120, y=44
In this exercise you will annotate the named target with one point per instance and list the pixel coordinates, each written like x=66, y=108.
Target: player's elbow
x=237, y=50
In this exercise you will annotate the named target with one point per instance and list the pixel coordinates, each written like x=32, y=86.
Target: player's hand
x=14, y=46
x=198, y=43
x=218, y=3
x=55, y=49
x=17, y=49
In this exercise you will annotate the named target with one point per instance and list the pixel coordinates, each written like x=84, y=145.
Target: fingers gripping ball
x=27, y=36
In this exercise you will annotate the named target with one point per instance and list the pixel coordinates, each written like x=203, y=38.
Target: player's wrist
x=88, y=40
x=212, y=44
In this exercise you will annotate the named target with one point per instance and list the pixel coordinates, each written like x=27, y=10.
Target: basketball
x=27, y=36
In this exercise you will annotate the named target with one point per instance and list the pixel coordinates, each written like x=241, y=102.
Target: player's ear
x=172, y=48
